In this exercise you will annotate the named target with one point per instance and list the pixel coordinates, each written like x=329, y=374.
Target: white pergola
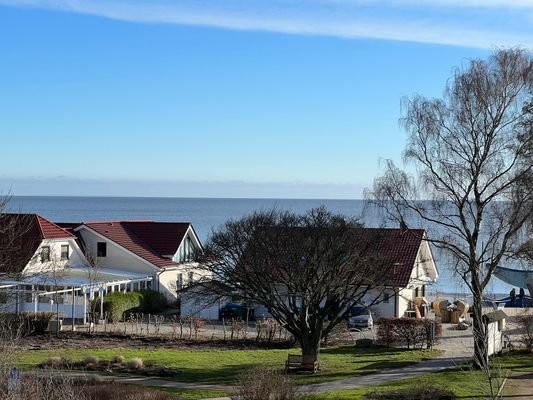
x=73, y=283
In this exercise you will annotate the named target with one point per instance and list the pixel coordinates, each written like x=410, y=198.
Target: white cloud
x=431, y=21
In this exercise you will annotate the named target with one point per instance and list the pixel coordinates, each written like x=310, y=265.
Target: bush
x=408, y=331
x=262, y=383
x=118, y=304
x=119, y=360
x=414, y=393
x=136, y=363
x=91, y=361
x=33, y=323
x=152, y=301
x=56, y=362
x=525, y=322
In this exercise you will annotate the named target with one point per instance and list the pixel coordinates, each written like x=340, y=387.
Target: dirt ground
x=100, y=340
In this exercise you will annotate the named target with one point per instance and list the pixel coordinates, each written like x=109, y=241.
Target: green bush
x=117, y=304
x=153, y=302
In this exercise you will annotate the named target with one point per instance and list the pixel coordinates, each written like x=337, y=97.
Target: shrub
x=136, y=363
x=57, y=362
x=119, y=360
x=35, y=323
x=91, y=361
x=525, y=322
x=408, y=331
x=152, y=301
x=118, y=304
x=262, y=383
x=413, y=393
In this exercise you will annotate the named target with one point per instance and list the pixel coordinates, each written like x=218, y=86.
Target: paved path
x=519, y=386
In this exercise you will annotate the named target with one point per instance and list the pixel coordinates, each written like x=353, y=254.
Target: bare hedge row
x=410, y=332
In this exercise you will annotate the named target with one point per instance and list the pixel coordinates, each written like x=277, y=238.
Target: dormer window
x=101, y=249
x=45, y=254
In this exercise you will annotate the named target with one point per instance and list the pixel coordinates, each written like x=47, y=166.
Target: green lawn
x=223, y=366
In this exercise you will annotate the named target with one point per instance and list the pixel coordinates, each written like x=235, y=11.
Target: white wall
x=168, y=278
x=56, y=264
x=495, y=338
x=380, y=309
x=202, y=306
x=117, y=257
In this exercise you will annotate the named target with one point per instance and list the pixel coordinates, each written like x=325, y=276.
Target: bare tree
x=308, y=270
x=472, y=153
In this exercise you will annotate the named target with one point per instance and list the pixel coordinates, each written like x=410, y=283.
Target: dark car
x=236, y=310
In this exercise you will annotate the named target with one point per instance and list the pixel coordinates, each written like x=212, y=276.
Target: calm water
x=206, y=214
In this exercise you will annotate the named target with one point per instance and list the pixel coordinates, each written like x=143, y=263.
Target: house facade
x=70, y=264
x=409, y=267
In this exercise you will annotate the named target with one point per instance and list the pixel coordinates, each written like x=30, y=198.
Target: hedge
x=117, y=304
x=408, y=331
x=26, y=323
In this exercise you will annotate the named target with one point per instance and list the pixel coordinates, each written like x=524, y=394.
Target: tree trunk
x=479, y=331
x=310, y=345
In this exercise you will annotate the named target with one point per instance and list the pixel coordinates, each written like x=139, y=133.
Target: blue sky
x=252, y=98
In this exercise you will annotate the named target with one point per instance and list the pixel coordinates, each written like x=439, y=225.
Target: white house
x=411, y=267
x=409, y=263
x=72, y=263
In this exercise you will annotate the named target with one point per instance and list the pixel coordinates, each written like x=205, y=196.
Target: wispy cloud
x=471, y=23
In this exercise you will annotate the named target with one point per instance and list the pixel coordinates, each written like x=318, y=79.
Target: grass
x=464, y=383
x=195, y=394
x=223, y=366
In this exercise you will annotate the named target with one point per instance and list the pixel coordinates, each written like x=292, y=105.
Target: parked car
x=360, y=317
x=236, y=310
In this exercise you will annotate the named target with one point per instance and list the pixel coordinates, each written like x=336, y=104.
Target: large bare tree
x=308, y=270
x=472, y=158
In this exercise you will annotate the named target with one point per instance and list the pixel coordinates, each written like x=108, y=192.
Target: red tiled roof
x=163, y=237
x=400, y=248
x=21, y=235
x=149, y=240
x=50, y=230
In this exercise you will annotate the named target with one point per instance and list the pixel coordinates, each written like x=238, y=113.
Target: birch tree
x=471, y=153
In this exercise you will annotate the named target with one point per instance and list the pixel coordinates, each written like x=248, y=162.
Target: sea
x=207, y=214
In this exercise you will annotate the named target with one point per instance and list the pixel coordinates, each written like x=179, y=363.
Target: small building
x=495, y=325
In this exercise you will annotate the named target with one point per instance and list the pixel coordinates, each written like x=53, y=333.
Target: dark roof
x=399, y=247
x=153, y=241
x=20, y=237
x=494, y=316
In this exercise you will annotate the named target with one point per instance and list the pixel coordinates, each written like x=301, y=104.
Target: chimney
x=403, y=226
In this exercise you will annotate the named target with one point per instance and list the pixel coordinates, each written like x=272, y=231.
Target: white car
x=361, y=317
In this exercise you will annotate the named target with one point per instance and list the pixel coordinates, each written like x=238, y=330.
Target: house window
x=179, y=281
x=386, y=298
x=191, y=276
x=101, y=249
x=64, y=251
x=188, y=249
x=28, y=295
x=423, y=290
x=45, y=254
